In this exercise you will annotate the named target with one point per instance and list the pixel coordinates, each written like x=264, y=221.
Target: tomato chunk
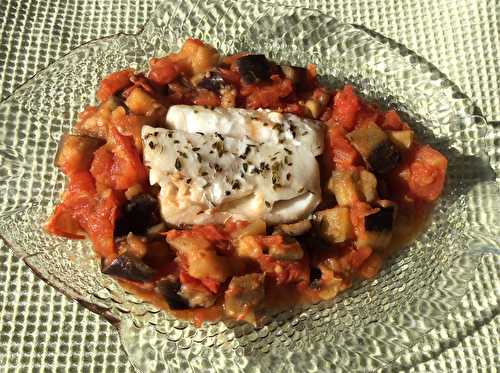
x=113, y=83
x=428, y=173
x=207, y=98
x=84, y=209
x=269, y=95
x=118, y=165
x=421, y=176
x=339, y=153
x=62, y=223
x=392, y=121
x=345, y=108
x=163, y=70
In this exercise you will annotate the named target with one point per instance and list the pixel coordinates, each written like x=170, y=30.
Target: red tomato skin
x=113, y=83
x=428, y=173
x=421, y=176
x=339, y=153
x=95, y=214
x=163, y=70
x=345, y=108
x=127, y=169
x=206, y=98
x=392, y=121
x=269, y=95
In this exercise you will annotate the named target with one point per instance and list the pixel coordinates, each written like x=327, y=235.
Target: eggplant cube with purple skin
x=375, y=147
x=378, y=228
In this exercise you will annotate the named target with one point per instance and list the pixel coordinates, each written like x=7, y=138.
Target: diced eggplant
x=254, y=68
x=350, y=186
x=158, y=253
x=294, y=229
x=136, y=245
x=334, y=225
x=384, y=158
x=133, y=191
x=141, y=103
x=243, y=297
x=368, y=186
x=140, y=213
x=297, y=75
x=128, y=267
x=75, y=153
x=375, y=147
x=95, y=125
x=402, y=139
x=169, y=289
x=343, y=184
x=212, y=81
x=289, y=250
x=330, y=282
x=248, y=247
x=314, y=108
x=381, y=220
x=201, y=259
x=255, y=228
x=314, y=277
x=197, y=295
x=378, y=228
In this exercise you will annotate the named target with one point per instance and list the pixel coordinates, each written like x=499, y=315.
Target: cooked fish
x=210, y=177
x=262, y=126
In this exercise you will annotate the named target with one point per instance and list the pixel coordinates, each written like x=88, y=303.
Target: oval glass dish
x=363, y=329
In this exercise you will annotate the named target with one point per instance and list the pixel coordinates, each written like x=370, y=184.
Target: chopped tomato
x=95, y=214
x=230, y=76
x=113, y=83
x=206, y=282
x=163, y=70
x=345, y=108
x=210, y=232
x=285, y=271
x=428, y=173
x=369, y=114
x=98, y=218
x=118, y=165
x=101, y=166
x=339, y=153
x=370, y=267
x=268, y=95
x=231, y=225
x=62, y=223
x=128, y=168
x=211, y=284
x=392, y=121
x=273, y=240
x=206, y=98
x=359, y=255
x=358, y=212
x=86, y=113
x=421, y=176
x=130, y=124
x=294, y=109
x=229, y=60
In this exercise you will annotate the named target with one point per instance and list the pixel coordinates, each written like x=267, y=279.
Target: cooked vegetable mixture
x=232, y=186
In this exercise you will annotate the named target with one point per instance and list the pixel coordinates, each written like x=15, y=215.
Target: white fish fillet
x=208, y=178
x=262, y=126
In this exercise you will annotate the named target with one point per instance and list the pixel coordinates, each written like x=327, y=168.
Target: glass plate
x=365, y=328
